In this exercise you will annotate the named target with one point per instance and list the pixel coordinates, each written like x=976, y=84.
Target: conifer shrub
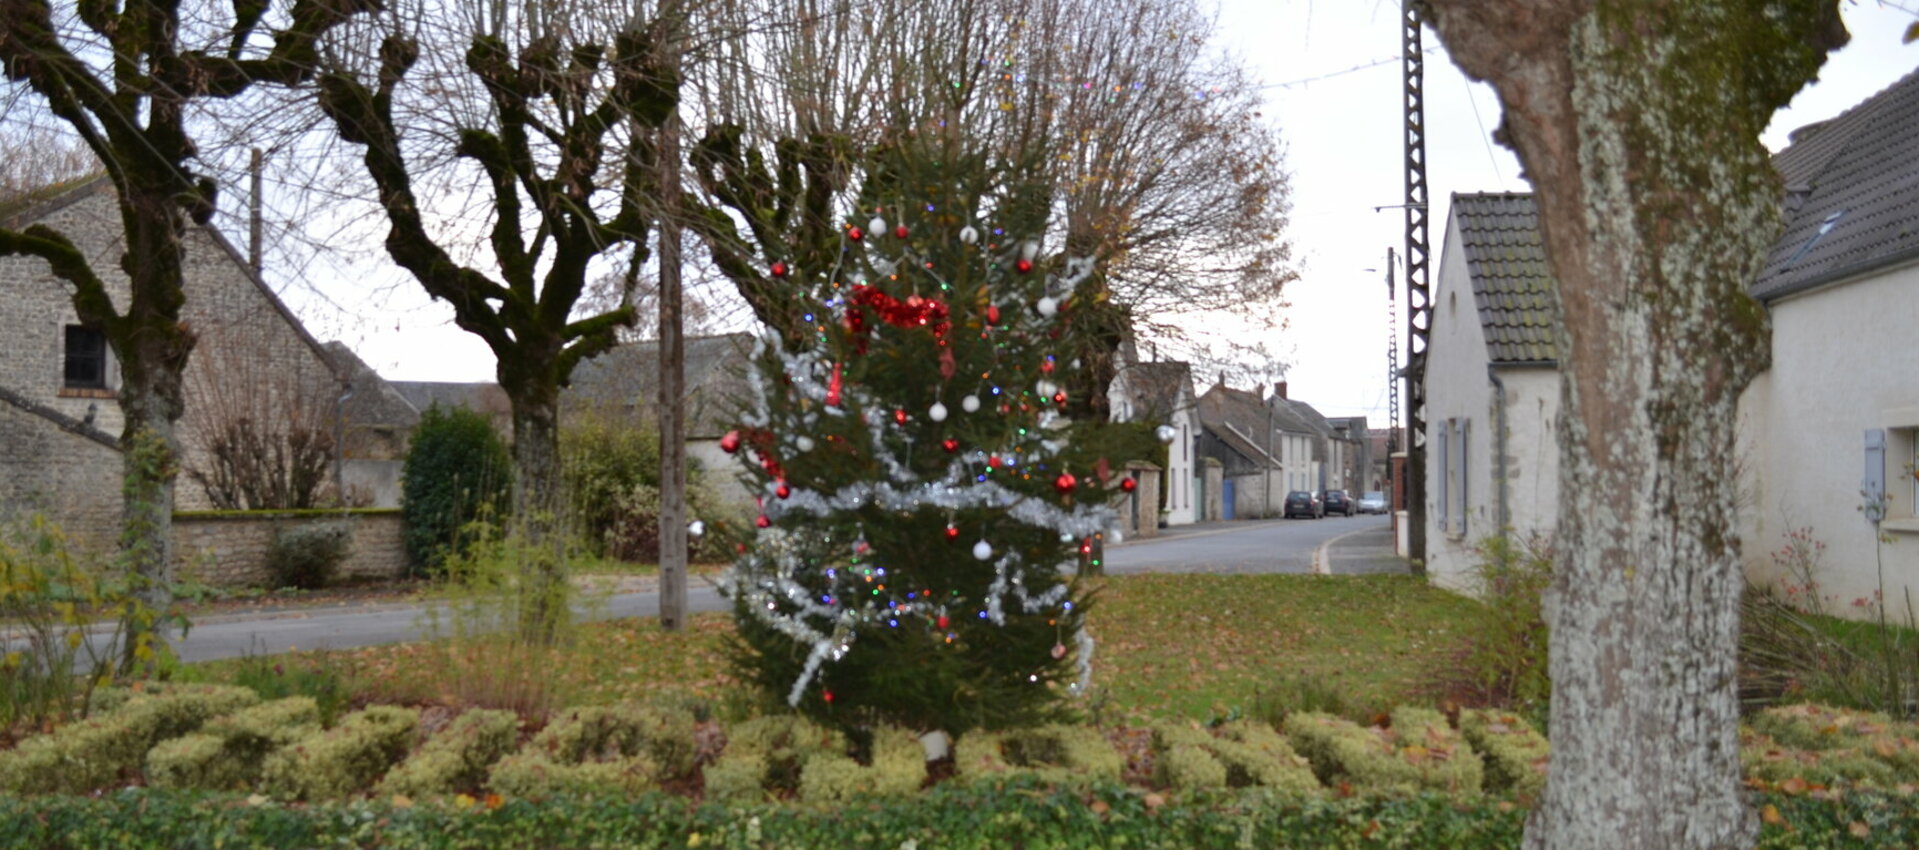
x=1515, y=753
x=1419, y=752
x=1055, y=753
x=344, y=760
x=457, y=472
x=229, y=751
x=99, y=751
x=458, y=758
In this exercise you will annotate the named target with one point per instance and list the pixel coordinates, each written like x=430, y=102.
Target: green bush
x=457, y=472
x=344, y=760
x=1248, y=754
x=1056, y=753
x=1018, y=813
x=764, y=756
x=308, y=556
x=1503, y=658
x=1766, y=760
x=97, y=752
x=1814, y=727
x=898, y=768
x=46, y=593
x=275, y=678
x=1515, y=753
x=621, y=749
x=1295, y=693
x=459, y=757
x=229, y=751
x=1418, y=753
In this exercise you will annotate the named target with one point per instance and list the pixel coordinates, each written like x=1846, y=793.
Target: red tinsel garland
x=914, y=312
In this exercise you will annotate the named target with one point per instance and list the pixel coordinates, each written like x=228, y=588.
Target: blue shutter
x=1465, y=498
x=1445, y=443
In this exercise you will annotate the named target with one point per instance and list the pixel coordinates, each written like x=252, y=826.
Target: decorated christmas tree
x=924, y=500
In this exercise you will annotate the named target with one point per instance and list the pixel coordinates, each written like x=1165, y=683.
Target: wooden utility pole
x=672, y=399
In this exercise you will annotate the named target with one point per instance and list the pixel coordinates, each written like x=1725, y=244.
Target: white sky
x=1343, y=134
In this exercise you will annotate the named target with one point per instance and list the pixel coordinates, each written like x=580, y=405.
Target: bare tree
x=39, y=156
x=533, y=112
x=123, y=78
x=1638, y=123
x=258, y=436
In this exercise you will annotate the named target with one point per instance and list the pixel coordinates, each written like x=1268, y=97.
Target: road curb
x=1323, y=556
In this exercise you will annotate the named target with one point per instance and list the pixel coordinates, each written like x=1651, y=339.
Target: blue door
x=1226, y=499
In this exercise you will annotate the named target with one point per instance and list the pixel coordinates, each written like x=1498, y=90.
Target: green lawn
x=1167, y=646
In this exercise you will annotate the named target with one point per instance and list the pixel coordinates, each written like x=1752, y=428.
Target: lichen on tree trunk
x=1638, y=123
x=538, y=531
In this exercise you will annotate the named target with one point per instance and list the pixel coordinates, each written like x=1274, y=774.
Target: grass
x=1169, y=646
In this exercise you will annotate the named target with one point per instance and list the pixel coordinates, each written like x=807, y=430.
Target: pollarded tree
x=125, y=78
x=549, y=106
x=1638, y=122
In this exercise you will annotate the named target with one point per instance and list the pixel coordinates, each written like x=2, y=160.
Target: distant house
x=1264, y=450
x=1842, y=395
x=1161, y=393
x=625, y=380
x=59, y=418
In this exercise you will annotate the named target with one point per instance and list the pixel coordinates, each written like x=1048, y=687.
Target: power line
x=1327, y=76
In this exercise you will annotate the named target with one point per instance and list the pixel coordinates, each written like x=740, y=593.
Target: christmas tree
x=922, y=496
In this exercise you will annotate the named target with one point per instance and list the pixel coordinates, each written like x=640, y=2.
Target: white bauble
x=1048, y=306
x=1165, y=433
x=695, y=528
x=982, y=550
x=803, y=443
x=1028, y=250
x=1044, y=387
x=937, y=412
x=876, y=226
x=968, y=235
x=970, y=403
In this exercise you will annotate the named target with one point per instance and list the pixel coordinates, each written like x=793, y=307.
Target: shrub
x=229, y=751
x=1502, y=661
x=459, y=757
x=1056, y=753
x=96, y=752
x=1249, y=754
x=1515, y=753
x=1186, y=766
x=344, y=760
x=307, y=556
x=620, y=749
x=898, y=768
x=457, y=472
x=1815, y=727
x=276, y=678
x=1766, y=760
x=1295, y=693
x=766, y=754
x=45, y=595
x=612, y=472
x=1418, y=753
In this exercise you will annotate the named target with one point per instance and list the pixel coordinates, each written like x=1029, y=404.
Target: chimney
x=1279, y=390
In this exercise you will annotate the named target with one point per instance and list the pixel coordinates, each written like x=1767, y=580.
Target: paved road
x=1259, y=546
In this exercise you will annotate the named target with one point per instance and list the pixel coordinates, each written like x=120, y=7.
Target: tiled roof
x=1239, y=418
x=627, y=378
x=1512, y=286
x=1852, y=194
x=1155, y=387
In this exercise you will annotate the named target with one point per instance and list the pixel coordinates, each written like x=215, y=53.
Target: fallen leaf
x=1859, y=829
x=1099, y=807
x=1770, y=814
x=1153, y=801
x=1794, y=786
x=402, y=801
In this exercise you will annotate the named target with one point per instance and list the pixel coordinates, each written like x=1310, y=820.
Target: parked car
x=1304, y=503
x=1337, y=502
x=1374, y=502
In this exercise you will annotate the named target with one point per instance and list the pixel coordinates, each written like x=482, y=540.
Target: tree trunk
x=539, y=540
x=1638, y=125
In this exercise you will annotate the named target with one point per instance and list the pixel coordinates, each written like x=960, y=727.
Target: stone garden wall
x=229, y=549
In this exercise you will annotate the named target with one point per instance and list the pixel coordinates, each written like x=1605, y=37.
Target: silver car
x=1374, y=502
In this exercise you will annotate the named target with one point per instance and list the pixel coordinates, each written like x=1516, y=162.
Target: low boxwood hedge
x=1020, y=812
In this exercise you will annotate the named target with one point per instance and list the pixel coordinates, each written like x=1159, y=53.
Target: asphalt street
x=1252, y=546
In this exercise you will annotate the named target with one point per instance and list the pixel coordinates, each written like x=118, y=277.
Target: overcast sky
x=1333, y=88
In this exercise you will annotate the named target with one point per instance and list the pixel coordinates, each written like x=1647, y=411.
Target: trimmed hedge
x=1515, y=754
x=620, y=749
x=1420, y=752
x=458, y=758
x=898, y=769
x=1240, y=754
x=1054, y=753
x=228, y=753
x=1019, y=812
x=764, y=756
x=344, y=760
x=102, y=750
x=1816, y=727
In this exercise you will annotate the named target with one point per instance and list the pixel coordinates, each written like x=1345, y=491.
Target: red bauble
x=899, y=415
x=1065, y=483
x=952, y=533
x=1023, y=266
x=779, y=270
x=785, y=491
x=731, y=442
x=1128, y=484
x=763, y=522
x=942, y=622
x=992, y=461
x=950, y=445
x=900, y=231
x=992, y=314
x=1046, y=366
x=855, y=234
x=1059, y=397
x=833, y=388
x=826, y=695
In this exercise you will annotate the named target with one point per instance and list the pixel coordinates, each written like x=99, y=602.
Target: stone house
x=1828, y=435
x=59, y=422
x=1264, y=448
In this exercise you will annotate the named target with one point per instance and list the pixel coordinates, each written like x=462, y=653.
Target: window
x=86, y=359
x=1453, y=437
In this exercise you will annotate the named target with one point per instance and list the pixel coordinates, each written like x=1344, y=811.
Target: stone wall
x=71, y=479
x=229, y=550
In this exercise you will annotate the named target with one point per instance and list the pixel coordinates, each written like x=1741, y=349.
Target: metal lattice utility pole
x=1418, y=282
